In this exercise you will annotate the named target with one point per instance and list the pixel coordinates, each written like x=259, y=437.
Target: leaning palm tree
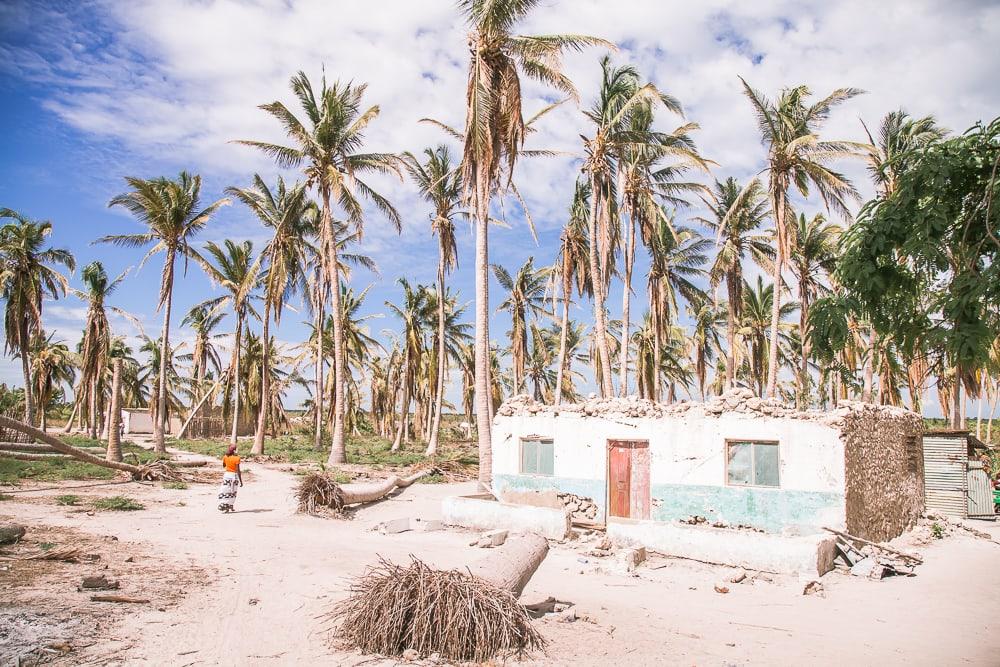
x=797, y=156
x=440, y=185
x=525, y=298
x=53, y=366
x=492, y=140
x=758, y=301
x=96, y=343
x=27, y=275
x=737, y=214
x=328, y=148
x=234, y=268
x=813, y=245
x=172, y=212
x=291, y=218
x=572, y=267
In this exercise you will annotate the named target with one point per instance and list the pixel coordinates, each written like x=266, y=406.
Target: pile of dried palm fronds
x=393, y=608
x=451, y=470
x=161, y=471
x=318, y=492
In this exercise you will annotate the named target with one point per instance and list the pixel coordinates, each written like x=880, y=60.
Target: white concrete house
x=769, y=477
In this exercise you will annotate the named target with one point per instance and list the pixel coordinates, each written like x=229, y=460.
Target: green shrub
x=178, y=486
x=937, y=531
x=68, y=499
x=117, y=504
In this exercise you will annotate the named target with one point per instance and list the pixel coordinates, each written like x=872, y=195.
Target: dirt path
x=273, y=574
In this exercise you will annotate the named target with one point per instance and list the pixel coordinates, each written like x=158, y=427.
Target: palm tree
x=899, y=136
x=96, y=343
x=736, y=215
x=525, y=297
x=150, y=375
x=796, y=155
x=676, y=256
x=646, y=179
x=53, y=365
x=204, y=357
x=492, y=140
x=813, y=254
x=171, y=209
x=572, y=267
x=705, y=339
x=328, y=150
x=440, y=185
x=621, y=96
x=411, y=311
x=27, y=275
x=235, y=269
x=758, y=303
x=291, y=217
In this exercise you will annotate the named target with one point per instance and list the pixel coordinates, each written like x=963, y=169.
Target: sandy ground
x=252, y=588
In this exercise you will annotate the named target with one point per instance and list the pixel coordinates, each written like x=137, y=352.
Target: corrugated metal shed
x=946, y=457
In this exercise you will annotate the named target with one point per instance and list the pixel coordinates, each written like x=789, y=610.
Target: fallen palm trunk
x=513, y=565
x=318, y=490
x=22, y=456
x=153, y=471
x=26, y=447
x=470, y=615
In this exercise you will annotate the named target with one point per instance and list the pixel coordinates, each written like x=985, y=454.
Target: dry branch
x=65, y=554
x=117, y=598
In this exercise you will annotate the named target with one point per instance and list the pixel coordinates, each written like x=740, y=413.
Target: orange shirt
x=232, y=463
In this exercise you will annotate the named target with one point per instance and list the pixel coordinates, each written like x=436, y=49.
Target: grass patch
x=434, y=478
x=6, y=496
x=177, y=486
x=45, y=546
x=68, y=499
x=118, y=504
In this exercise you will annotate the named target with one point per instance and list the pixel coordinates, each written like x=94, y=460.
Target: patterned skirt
x=227, y=491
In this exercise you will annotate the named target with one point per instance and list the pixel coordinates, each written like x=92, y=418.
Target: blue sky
x=97, y=90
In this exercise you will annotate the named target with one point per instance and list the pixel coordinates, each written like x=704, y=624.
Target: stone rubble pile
x=578, y=507
x=741, y=401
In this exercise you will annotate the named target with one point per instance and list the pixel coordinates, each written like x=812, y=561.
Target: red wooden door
x=628, y=479
x=619, y=478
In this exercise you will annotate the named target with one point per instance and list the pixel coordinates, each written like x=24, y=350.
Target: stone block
x=393, y=526
x=427, y=525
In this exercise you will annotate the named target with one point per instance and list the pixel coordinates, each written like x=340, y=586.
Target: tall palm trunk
x=114, y=452
x=733, y=285
x=29, y=398
x=868, y=382
x=265, y=377
x=236, y=379
x=318, y=400
x=404, y=409
x=956, y=402
x=629, y=263
x=563, y=326
x=432, y=443
x=159, y=423
x=92, y=417
x=337, y=450
x=600, y=316
x=979, y=406
x=484, y=398
x=779, y=194
x=804, y=347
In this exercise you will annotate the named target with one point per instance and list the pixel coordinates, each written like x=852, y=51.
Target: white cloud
x=173, y=83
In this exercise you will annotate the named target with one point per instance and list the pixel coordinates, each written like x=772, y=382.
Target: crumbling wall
x=884, y=467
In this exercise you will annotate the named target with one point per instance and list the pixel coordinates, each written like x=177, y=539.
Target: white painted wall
x=688, y=449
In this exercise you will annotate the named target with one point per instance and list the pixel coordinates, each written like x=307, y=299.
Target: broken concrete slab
x=493, y=538
x=427, y=525
x=393, y=526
